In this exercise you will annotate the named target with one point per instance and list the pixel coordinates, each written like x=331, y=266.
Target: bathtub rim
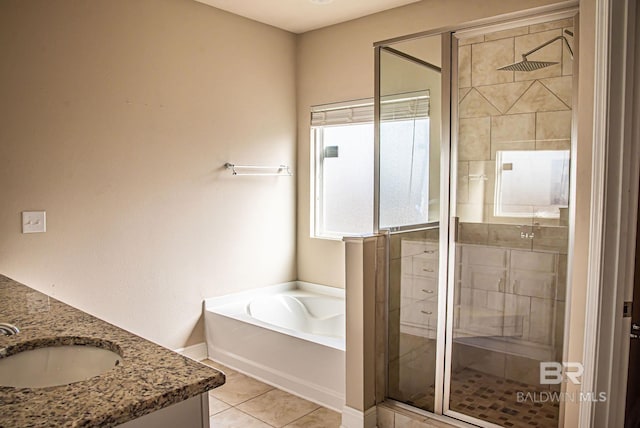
x=233, y=306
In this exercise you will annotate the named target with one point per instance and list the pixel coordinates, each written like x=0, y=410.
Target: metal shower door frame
x=448, y=190
x=444, y=205
x=476, y=31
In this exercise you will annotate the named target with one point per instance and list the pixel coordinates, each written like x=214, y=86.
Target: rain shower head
x=526, y=65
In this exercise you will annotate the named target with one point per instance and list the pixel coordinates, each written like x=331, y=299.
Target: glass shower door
x=509, y=248
x=410, y=128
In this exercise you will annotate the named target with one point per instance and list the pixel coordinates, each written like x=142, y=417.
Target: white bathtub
x=289, y=335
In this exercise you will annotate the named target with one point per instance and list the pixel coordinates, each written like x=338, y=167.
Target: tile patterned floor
x=474, y=391
x=244, y=402
x=494, y=399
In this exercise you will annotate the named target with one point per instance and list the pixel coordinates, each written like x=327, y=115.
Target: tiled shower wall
x=509, y=110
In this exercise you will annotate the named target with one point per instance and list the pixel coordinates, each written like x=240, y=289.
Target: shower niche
x=477, y=287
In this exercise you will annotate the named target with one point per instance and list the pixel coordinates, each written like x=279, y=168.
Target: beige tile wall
x=506, y=110
x=546, y=238
x=500, y=110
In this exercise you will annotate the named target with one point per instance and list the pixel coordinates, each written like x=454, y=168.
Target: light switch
x=34, y=221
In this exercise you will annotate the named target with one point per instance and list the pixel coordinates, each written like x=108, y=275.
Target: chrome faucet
x=7, y=329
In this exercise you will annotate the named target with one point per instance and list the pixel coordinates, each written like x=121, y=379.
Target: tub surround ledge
x=149, y=378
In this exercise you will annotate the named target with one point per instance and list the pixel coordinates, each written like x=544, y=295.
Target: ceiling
x=299, y=16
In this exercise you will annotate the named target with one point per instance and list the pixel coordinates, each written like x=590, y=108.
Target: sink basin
x=55, y=365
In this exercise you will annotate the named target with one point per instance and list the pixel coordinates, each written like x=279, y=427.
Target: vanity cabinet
x=483, y=275
x=190, y=413
x=419, y=290
x=502, y=293
x=506, y=293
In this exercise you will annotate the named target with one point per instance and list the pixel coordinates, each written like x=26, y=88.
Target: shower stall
x=475, y=199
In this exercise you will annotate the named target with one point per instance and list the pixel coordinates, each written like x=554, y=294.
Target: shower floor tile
x=473, y=392
x=246, y=402
x=494, y=399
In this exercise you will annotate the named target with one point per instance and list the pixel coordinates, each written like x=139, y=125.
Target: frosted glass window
x=343, y=164
x=344, y=180
x=404, y=172
x=532, y=183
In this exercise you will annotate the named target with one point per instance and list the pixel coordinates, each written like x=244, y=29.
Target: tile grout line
x=248, y=399
x=254, y=417
x=303, y=416
x=262, y=420
x=271, y=388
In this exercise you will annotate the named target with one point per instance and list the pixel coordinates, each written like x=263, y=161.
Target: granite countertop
x=149, y=377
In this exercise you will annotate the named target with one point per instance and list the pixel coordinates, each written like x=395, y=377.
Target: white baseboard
x=196, y=352
x=284, y=381
x=352, y=418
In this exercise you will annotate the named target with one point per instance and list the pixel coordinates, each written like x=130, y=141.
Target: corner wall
x=117, y=117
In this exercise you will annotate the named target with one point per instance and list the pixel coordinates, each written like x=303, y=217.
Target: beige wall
x=117, y=117
x=336, y=64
